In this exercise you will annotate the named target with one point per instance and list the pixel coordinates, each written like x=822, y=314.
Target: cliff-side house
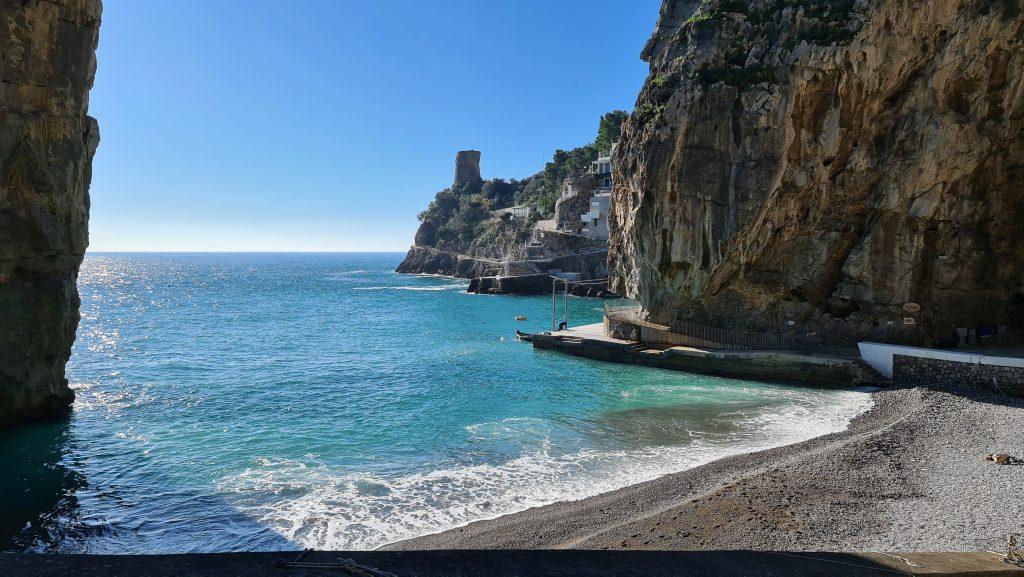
x=583, y=205
x=521, y=212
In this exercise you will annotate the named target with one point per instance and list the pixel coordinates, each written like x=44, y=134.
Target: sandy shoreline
x=907, y=475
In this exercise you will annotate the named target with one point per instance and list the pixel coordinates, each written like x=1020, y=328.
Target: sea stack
x=467, y=167
x=47, y=141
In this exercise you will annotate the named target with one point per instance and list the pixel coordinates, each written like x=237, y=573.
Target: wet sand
x=907, y=475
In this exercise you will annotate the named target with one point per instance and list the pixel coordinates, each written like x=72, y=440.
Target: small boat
x=524, y=337
x=520, y=317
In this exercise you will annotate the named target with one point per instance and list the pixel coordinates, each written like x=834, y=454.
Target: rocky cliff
x=47, y=64
x=827, y=162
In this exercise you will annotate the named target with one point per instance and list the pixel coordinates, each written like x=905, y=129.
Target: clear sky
x=252, y=125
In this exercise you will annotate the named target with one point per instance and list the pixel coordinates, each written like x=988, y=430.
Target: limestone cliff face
x=47, y=64
x=826, y=162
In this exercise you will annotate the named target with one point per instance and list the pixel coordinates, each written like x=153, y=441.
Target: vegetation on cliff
x=459, y=218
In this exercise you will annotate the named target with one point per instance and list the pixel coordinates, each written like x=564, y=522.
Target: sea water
x=229, y=402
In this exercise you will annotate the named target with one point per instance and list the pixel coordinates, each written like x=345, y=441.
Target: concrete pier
x=839, y=368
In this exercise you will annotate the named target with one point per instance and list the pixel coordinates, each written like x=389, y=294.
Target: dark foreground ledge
x=510, y=562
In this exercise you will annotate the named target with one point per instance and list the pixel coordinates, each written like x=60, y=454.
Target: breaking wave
x=314, y=505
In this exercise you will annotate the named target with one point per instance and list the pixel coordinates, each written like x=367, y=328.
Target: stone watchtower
x=467, y=167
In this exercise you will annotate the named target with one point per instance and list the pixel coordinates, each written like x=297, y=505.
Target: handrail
x=709, y=336
x=553, y=255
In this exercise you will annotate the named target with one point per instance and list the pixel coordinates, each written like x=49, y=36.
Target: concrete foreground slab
x=502, y=563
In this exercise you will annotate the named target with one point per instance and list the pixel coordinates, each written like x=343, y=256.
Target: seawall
x=923, y=372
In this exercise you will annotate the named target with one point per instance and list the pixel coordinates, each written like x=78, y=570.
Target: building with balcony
x=601, y=169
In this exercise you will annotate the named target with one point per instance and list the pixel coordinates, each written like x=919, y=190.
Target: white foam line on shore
x=325, y=508
x=411, y=288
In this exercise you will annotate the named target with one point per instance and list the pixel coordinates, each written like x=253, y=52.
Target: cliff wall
x=826, y=162
x=47, y=64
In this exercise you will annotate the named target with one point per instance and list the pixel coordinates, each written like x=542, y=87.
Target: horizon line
x=245, y=251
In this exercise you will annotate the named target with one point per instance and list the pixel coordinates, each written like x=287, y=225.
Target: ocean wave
x=321, y=507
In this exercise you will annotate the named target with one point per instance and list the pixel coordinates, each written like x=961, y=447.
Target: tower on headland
x=467, y=167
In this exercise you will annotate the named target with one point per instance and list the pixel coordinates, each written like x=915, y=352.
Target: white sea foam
x=413, y=288
x=317, y=506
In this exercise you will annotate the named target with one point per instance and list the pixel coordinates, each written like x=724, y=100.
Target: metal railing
x=733, y=339
x=560, y=254
x=686, y=333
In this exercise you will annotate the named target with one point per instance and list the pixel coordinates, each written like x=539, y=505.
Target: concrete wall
x=909, y=370
x=880, y=357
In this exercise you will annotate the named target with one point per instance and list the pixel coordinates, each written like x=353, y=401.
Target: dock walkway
x=824, y=368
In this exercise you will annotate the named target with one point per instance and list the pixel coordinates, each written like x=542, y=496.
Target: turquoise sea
x=232, y=402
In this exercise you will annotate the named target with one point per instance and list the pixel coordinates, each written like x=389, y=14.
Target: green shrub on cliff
x=701, y=16
x=735, y=76
x=609, y=129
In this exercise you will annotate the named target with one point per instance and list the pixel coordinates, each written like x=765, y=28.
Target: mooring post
x=565, y=301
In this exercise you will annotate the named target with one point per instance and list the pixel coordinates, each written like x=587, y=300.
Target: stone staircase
x=869, y=374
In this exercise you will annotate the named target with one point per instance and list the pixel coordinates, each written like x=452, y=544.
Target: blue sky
x=328, y=125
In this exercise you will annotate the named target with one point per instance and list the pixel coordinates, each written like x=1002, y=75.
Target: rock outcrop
x=429, y=260
x=540, y=284
x=826, y=162
x=47, y=64
x=467, y=167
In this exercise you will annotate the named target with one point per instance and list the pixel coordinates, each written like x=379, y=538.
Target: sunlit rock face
x=826, y=162
x=47, y=141
x=467, y=167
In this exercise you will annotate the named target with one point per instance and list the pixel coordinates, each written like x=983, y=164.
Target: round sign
x=911, y=307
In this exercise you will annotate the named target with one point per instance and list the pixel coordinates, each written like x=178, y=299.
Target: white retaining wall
x=879, y=356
